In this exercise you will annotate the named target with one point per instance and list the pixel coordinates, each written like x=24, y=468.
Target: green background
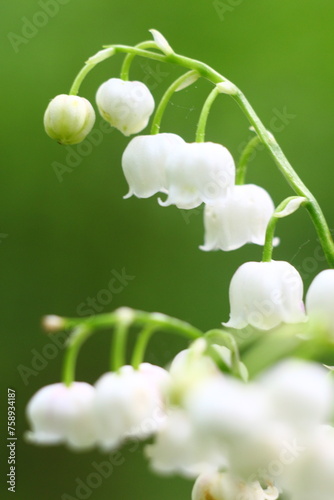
x=65, y=238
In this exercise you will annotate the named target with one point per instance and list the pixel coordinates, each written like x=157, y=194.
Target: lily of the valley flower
x=301, y=392
x=144, y=163
x=320, y=299
x=239, y=218
x=265, y=294
x=127, y=106
x=227, y=407
x=197, y=173
x=129, y=403
x=59, y=414
x=69, y=119
x=180, y=448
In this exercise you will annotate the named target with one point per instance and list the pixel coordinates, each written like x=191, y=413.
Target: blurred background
x=64, y=227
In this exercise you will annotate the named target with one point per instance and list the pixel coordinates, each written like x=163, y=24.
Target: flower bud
x=265, y=294
x=144, y=163
x=242, y=217
x=60, y=414
x=320, y=299
x=69, y=119
x=198, y=172
x=127, y=106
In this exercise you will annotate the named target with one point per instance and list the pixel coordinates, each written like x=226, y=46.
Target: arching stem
x=203, y=119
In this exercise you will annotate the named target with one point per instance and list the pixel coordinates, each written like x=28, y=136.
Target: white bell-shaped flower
x=190, y=369
x=144, y=163
x=181, y=448
x=69, y=118
x=320, y=299
x=60, y=414
x=239, y=218
x=265, y=294
x=198, y=172
x=227, y=407
x=265, y=452
x=223, y=486
x=129, y=403
x=301, y=392
x=127, y=106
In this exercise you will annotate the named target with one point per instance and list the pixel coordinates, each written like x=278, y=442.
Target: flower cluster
x=239, y=439
x=121, y=405
x=266, y=434
x=188, y=173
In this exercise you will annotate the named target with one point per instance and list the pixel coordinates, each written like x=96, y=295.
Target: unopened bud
x=53, y=323
x=69, y=119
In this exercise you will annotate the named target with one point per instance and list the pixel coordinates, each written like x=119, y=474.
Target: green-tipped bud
x=69, y=119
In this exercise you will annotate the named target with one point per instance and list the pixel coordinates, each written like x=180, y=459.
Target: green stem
x=139, y=318
x=78, y=337
x=141, y=345
x=201, y=126
x=202, y=68
x=120, y=319
x=245, y=158
x=118, y=346
x=79, y=79
x=155, y=129
x=268, y=245
x=278, y=344
x=89, y=65
x=226, y=339
x=150, y=44
x=291, y=176
x=270, y=232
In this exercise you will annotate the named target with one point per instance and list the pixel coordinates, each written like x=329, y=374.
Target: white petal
x=129, y=403
x=180, y=448
x=320, y=298
x=144, y=163
x=301, y=391
x=265, y=294
x=239, y=218
x=60, y=414
x=198, y=172
x=125, y=105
